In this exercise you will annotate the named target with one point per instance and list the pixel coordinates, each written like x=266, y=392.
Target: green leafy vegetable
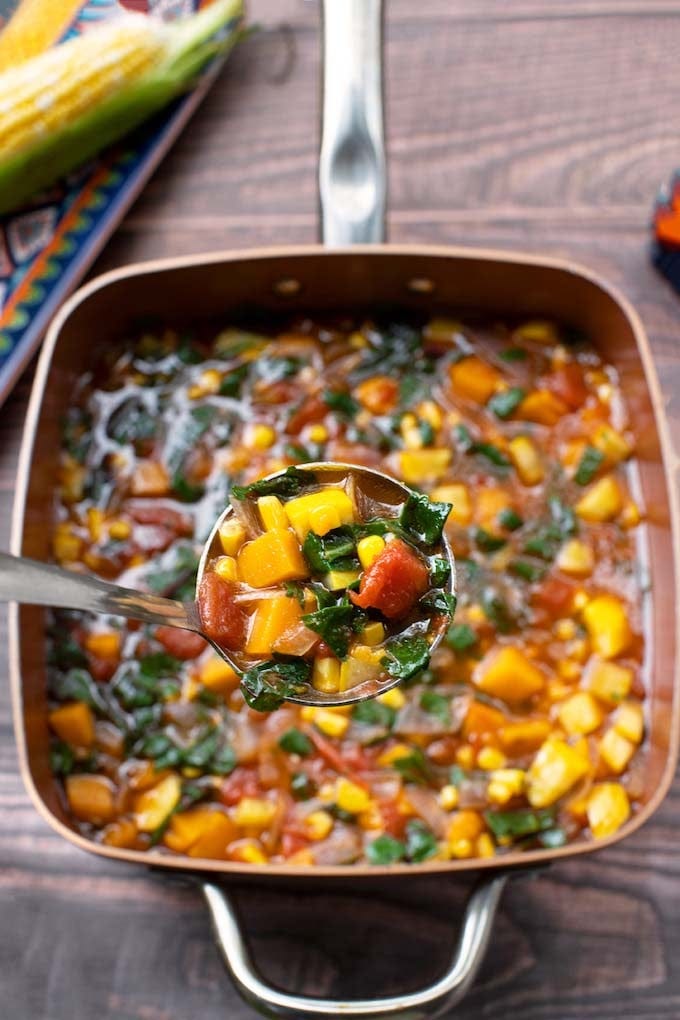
x=78, y=685
x=513, y=354
x=302, y=786
x=439, y=602
x=287, y=484
x=294, y=591
x=374, y=713
x=413, y=767
x=335, y=625
x=486, y=541
x=461, y=637
x=62, y=758
x=440, y=571
x=296, y=742
x=341, y=402
x=503, y=404
x=527, y=569
x=436, y=705
x=510, y=519
x=265, y=687
x=420, y=841
x=326, y=553
x=423, y=518
x=233, y=381
x=522, y=822
x=407, y=656
x=496, y=611
x=385, y=850
x=588, y=466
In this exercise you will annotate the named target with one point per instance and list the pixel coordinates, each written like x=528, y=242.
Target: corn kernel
x=616, y=750
x=465, y=756
x=95, y=520
x=368, y=550
x=120, y=530
x=374, y=634
x=527, y=460
x=485, y=846
x=232, y=536
x=371, y=819
x=393, y=699
x=608, y=681
x=491, y=758
x=319, y=511
x=630, y=515
x=449, y=797
x=351, y=797
x=465, y=824
x=226, y=568
x=431, y=413
x=254, y=812
x=67, y=546
x=210, y=380
x=505, y=784
x=195, y=392
x=272, y=513
x=461, y=848
x=330, y=723
x=393, y=754
x=607, y=808
x=576, y=558
x=326, y=675
x=191, y=772
x=104, y=646
x=252, y=853
x=357, y=340
x=318, y=824
x=260, y=437
x=629, y=721
x=564, y=629
x=318, y=433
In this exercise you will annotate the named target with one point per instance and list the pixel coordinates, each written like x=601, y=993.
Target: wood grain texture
x=542, y=126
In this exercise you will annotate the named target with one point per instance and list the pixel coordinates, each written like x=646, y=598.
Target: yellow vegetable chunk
x=491, y=759
x=272, y=513
x=273, y=557
x=474, y=379
x=336, y=580
x=420, y=466
x=122, y=834
x=73, y=723
x=368, y=550
x=226, y=568
x=153, y=806
x=612, y=444
x=505, y=784
x=520, y=738
x=394, y=753
x=608, y=681
x=607, y=809
x=254, y=812
x=459, y=497
x=90, y=798
x=319, y=512
x=373, y=634
x=271, y=619
x=449, y=797
x=217, y=833
x=527, y=460
x=218, y=676
x=464, y=825
x=104, y=645
x=149, y=478
x=580, y=714
x=576, y=558
x=629, y=721
x=537, y=331
x=542, y=407
x=555, y=769
x=607, y=624
x=506, y=673
x=616, y=750
x=232, y=536
x=326, y=675
x=351, y=797
x=186, y=828
x=318, y=824
x=603, y=501
x=489, y=502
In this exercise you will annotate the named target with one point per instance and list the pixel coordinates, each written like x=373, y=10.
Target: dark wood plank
x=543, y=127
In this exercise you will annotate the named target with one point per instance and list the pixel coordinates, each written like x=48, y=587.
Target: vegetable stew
x=527, y=727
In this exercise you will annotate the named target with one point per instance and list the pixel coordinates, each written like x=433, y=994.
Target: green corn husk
x=182, y=49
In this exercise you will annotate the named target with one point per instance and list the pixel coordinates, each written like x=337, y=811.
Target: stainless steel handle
x=428, y=1002
x=42, y=584
x=352, y=170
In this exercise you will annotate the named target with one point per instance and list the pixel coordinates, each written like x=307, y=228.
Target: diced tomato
x=568, y=384
x=243, y=782
x=312, y=409
x=322, y=651
x=555, y=596
x=291, y=841
x=222, y=618
x=102, y=669
x=443, y=750
x=379, y=394
x=182, y=644
x=394, y=582
x=328, y=751
x=394, y=822
x=361, y=759
x=164, y=516
x=152, y=538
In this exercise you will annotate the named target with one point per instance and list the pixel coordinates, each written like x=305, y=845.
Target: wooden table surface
x=544, y=125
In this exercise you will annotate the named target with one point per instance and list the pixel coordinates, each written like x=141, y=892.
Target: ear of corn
x=34, y=27
x=62, y=107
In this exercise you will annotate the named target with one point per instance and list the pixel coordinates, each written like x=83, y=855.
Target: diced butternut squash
x=232, y=536
x=489, y=502
x=273, y=557
x=542, y=407
x=458, y=495
x=580, y=714
x=612, y=444
x=218, y=676
x=73, y=723
x=122, y=834
x=555, y=769
x=607, y=624
x=607, y=809
x=608, y=681
x=464, y=825
x=506, y=673
x=319, y=512
x=527, y=460
x=474, y=379
x=482, y=722
x=91, y=798
x=419, y=467
x=153, y=806
x=203, y=831
x=629, y=721
x=616, y=750
x=254, y=813
x=272, y=617
x=519, y=738
x=601, y=502
x=576, y=558
x=379, y=394
x=105, y=644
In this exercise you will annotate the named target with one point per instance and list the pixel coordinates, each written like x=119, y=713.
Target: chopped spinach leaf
x=513, y=354
x=413, y=767
x=290, y=483
x=439, y=602
x=461, y=637
x=421, y=842
x=374, y=713
x=503, y=404
x=385, y=850
x=335, y=625
x=436, y=705
x=233, y=381
x=510, y=519
x=294, y=741
x=294, y=591
x=78, y=685
x=588, y=466
x=406, y=656
x=424, y=519
x=440, y=571
x=341, y=402
x=496, y=611
x=62, y=758
x=487, y=542
x=265, y=687
x=527, y=569
x=522, y=822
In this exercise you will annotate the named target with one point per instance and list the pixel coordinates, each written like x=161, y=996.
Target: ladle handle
x=42, y=584
x=352, y=174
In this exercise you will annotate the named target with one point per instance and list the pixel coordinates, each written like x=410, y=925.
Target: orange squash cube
x=269, y=621
x=506, y=673
x=474, y=379
x=273, y=557
x=91, y=798
x=73, y=723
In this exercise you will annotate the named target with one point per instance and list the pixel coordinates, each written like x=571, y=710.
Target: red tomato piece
x=163, y=516
x=243, y=782
x=222, y=618
x=291, y=841
x=568, y=384
x=182, y=644
x=394, y=582
x=394, y=821
x=312, y=409
x=554, y=595
x=102, y=669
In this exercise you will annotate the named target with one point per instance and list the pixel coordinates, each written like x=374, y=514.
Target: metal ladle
x=43, y=584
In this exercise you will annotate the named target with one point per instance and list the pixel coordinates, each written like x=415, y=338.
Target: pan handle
x=427, y=1002
x=352, y=160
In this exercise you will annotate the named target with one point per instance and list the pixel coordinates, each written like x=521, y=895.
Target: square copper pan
x=313, y=280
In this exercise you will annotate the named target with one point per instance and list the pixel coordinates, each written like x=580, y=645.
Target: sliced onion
x=297, y=640
x=424, y=802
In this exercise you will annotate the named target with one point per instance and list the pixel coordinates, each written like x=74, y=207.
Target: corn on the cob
x=34, y=27
x=62, y=107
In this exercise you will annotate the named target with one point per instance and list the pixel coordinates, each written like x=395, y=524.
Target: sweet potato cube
x=616, y=750
x=91, y=798
x=319, y=512
x=270, y=620
x=580, y=714
x=603, y=501
x=122, y=834
x=153, y=806
x=73, y=723
x=506, y=673
x=482, y=722
x=608, y=681
x=272, y=558
x=519, y=738
x=542, y=407
x=607, y=624
x=203, y=831
x=607, y=809
x=474, y=379
x=555, y=769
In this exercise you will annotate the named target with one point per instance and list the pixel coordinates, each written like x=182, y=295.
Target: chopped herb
x=233, y=381
x=302, y=787
x=334, y=624
x=423, y=518
x=341, y=402
x=407, y=656
x=563, y=517
x=461, y=637
x=185, y=491
x=159, y=664
x=62, y=758
x=496, y=611
x=426, y=433
x=64, y=651
x=420, y=841
x=78, y=685
x=513, y=354
x=439, y=602
x=296, y=742
x=440, y=571
x=294, y=591
x=413, y=767
x=266, y=686
x=510, y=519
x=287, y=484
x=528, y=570
x=436, y=705
x=491, y=453
x=503, y=404
x=314, y=553
x=588, y=466
x=324, y=554
x=486, y=541
x=522, y=822
x=385, y=850
x=374, y=713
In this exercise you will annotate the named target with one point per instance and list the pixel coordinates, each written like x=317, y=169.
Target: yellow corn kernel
x=336, y=580
x=576, y=558
x=420, y=466
x=465, y=756
x=612, y=444
x=580, y=714
x=357, y=340
x=580, y=600
x=464, y=824
x=629, y=721
x=393, y=754
x=318, y=824
x=555, y=769
x=490, y=758
x=449, y=797
x=474, y=614
x=630, y=516
x=254, y=813
x=153, y=806
x=527, y=460
x=607, y=624
x=616, y=750
x=104, y=646
x=537, y=331
x=250, y=852
x=564, y=629
x=461, y=848
x=319, y=511
x=330, y=723
x=459, y=497
x=259, y=436
x=608, y=681
x=272, y=513
x=431, y=413
x=393, y=699
x=317, y=433
x=195, y=392
x=506, y=673
x=232, y=536
x=374, y=634
x=95, y=521
x=351, y=797
x=326, y=675
x=120, y=530
x=485, y=846
x=67, y=546
x=607, y=809
x=226, y=568
x=505, y=784
x=368, y=550
x=210, y=380
x=601, y=502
